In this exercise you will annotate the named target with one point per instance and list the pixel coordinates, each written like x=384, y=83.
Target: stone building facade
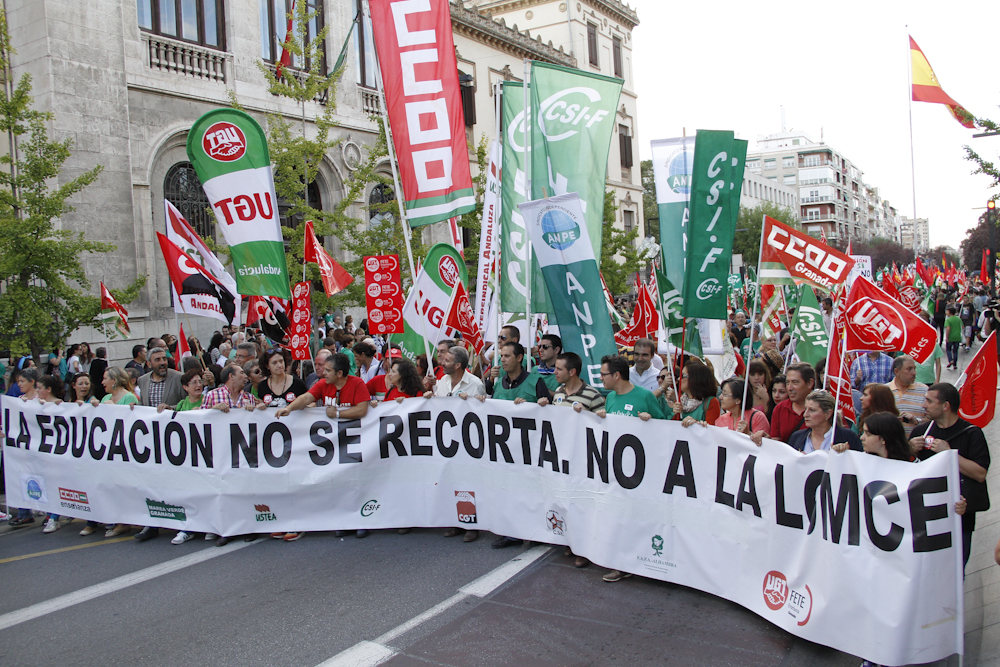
x=126, y=79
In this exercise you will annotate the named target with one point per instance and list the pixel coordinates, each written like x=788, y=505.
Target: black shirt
x=970, y=442
x=280, y=400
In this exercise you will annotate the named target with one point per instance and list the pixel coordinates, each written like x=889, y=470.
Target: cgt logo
x=224, y=142
x=466, y=506
x=877, y=323
x=779, y=595
x=264, y=513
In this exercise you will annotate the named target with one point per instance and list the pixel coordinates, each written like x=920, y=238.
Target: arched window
x=182, y=188
x=293, y=221
x=380, y=195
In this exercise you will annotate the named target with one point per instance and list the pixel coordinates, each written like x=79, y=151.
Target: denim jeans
x=952, y=349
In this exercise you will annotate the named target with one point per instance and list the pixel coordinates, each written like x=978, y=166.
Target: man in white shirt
x=643, y=372
x=457, y=380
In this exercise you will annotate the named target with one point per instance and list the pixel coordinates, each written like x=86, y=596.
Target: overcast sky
x=840, y=66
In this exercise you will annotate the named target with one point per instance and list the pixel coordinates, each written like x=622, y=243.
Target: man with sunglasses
x=548, y=351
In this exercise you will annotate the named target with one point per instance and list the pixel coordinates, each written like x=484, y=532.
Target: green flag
x=558, y=232
x=668, y=303
x=513, y=236
x=673, y=160
x=572, y=120
x=716, y=184
x=426, y=309
x=229, y=152
x=811, y=340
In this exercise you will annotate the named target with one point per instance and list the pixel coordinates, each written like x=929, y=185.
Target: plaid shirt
x=221, y=394
x=877, y=372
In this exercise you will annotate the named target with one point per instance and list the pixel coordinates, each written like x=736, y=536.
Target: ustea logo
x=559, y=229
x=466, y=506
x=775, y=590
x=877, y=323
x=34, y=489
x=264, y=513
x=224, y=142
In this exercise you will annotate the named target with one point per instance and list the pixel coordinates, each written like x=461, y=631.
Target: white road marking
x=371, y=653
x=118, y=583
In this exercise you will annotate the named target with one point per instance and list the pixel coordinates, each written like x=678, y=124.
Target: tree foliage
x=933, y=256
x=750, y=225
x=882, y=251
x=650, y=210
x=44, y=289
x=620, y=258
x=975, y=241
x=984, y=166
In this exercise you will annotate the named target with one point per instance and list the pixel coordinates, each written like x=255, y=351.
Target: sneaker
x=181, y=537
x=291, y=537
x=88, y=530
x=15, y=522
x=211, y=536
x=115, y=530
x=278, y=536
x=51, y=526
x=4, y=516
x=616, y=575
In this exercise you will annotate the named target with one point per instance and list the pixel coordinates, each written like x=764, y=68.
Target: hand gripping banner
x=849, y=550
x=416, y=54
x=229, y=152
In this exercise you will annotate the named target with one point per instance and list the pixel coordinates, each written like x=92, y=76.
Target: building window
x=182, y=188
x=364, y=51
x=616, y=55
x=788, y=162
x=753, y=164
x=789, y=179
x=770, y=163
x=274, y=26
x=592, y=44
x=466, y=86
x=378, y=205
x=293, y=221
x=198, y=21
x=625, y=146
x=628, y=219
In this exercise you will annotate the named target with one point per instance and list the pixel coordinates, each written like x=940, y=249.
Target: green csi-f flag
x=513, y=236
x=812, y=342
x=572, y=119
x=673, y=160
x=716, y=183
x=671, y=321
x=558, y=232
x=229, y=152
x=426, y=309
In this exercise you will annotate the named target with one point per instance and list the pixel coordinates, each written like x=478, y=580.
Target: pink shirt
x=758, y=421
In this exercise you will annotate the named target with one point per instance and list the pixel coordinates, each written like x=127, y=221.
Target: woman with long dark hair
x=697, y=401
x=747, y=418
x=777, y=392
x=877, y=398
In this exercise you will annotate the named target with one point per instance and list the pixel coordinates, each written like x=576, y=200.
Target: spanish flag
x=926, y=87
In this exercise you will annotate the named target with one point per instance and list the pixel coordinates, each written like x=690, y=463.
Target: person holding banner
x=549, y=348
x=457, y=380
x=786, y=419
x=517, y=384
x=820, y=432
x=697, y=402
x=734, y=417
x=278, y=388
x=626, y=398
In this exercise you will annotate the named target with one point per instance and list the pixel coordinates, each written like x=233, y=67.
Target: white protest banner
x=848, y=550
x=862, y=267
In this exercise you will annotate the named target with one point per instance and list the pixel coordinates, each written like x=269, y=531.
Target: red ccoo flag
x=335, y=277
x=286, y=55
x=876, y=321
x=183, y=349
x=978, y=385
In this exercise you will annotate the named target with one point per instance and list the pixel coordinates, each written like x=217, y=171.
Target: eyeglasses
x=501, y=337
x=544, y=347
x=661, y=378
x=684, y=376
x=609, y=373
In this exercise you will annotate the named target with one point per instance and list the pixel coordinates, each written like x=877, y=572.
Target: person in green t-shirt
x=929, y=372
x=193, y=386
x=549, y=348
x=517, y=384
x=626, y=398
x=952, y=336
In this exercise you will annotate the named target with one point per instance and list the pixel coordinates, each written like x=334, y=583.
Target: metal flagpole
x=909, y=100
x=528, y=197
x=498, y=120
x=753, y=315
x=840, y=375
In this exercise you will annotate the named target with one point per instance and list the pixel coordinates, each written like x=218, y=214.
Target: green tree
x=932, y=257
x=749, y=226
x=650, y=210
x=984, y=166
x=44, y=289
x=975, y=241
x=620, y=258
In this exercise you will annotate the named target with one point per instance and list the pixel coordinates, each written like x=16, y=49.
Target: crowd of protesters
x=905, y=411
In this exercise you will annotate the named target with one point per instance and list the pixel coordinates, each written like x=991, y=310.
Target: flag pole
x=753, y=315
x=528, y=197
x=909, y=102
x=840, y=376
x=829, y=334
x=384, y=116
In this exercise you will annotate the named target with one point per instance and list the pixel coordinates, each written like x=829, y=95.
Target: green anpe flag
x=673, y=160
x=229, y=152
x=811, y=339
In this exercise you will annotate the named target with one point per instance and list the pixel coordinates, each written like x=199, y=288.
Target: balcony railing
x=811, y=200
x=369, y=100
x=177, y=57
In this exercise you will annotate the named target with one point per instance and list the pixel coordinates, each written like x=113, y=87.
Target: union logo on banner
x=384, y=294
x=224, y=142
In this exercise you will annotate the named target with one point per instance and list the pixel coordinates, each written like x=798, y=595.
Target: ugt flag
x=876, y=321
x=978, y=385
x=229, y=152
x=416, y=54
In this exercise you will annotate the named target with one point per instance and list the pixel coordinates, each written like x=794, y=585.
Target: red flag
x=838, y=377
x=876, y=321
x=890, y=287
x=109, y=302
x=456, y=236
x=462, y=318
x=984, y=269
x=822, y=235
x=793, y=257
x=335, y=277
x=286, y=55
x=190, y=277
x=923, y=273
x=927, y=88
x=272, y=320
x=645, y=321
x=183, y=349
x=850, y=246
x=978, y=385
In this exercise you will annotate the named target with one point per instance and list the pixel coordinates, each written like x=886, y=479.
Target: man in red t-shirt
x=344, y=395
x=788, y=417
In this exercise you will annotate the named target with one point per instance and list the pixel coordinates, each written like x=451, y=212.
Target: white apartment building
x=832, y=194
x=126, y=80
x=915, y=234
x=758, y=189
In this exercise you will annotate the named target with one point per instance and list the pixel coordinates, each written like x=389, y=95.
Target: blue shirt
x=878, y=371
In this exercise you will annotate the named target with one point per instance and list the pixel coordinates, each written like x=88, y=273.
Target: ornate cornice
x=482, y=27
x=615, y=10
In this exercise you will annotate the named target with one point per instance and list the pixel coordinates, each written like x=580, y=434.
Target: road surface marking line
x=371, y=653
x=113, y=585
x=59, y=551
